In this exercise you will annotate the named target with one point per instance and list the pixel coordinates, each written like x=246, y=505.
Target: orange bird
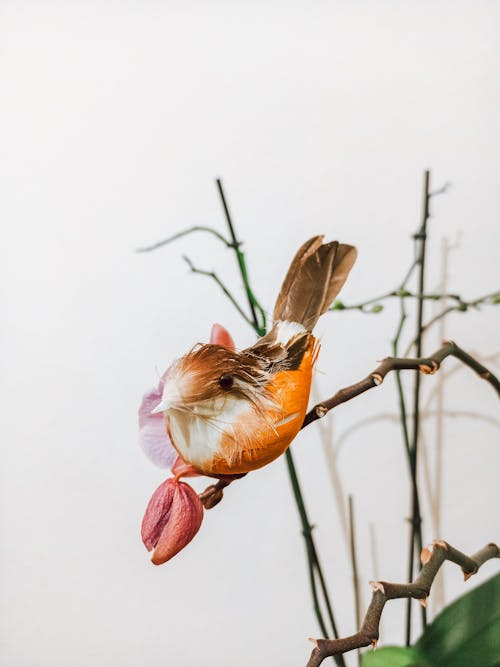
x=227, y=412
x=230, y=412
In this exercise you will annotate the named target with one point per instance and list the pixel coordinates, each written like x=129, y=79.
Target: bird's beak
x=162, y=406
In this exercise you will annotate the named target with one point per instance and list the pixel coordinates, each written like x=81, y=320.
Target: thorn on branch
x=426, y=365
x=432, y=556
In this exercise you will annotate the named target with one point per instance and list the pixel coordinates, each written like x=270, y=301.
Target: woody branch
x=427, y=365
x=432, y=558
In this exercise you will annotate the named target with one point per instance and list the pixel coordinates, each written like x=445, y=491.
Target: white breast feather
x=198, y=436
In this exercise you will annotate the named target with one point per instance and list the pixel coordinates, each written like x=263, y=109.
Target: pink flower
x=173, y=517
x=175, y=512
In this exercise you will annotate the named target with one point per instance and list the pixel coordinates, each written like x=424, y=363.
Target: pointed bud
x=429, y=370
x=173, y=517
x=440, y=543
x=426, y=554
x=377, y=586
x=221, y=336
x=423, y=602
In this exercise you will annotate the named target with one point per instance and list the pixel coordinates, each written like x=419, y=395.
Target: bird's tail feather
x=314, y=279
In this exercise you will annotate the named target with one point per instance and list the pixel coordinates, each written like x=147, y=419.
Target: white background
x=320, y=117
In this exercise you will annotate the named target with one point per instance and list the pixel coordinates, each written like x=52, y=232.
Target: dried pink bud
x=172, y=518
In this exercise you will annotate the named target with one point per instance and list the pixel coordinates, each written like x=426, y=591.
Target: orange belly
x=255, y=439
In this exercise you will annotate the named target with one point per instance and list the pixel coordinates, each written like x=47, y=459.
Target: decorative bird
x=223, y=413
x=230, y=412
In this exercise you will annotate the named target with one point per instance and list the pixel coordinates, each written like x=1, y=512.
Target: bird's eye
x=226, y=381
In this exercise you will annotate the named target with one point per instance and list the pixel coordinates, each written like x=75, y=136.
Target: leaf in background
x=395, y=656
x=467, y=632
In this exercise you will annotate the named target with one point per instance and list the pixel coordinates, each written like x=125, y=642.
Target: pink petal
x=173, y=517
x=183, y=469
x=157, y=514
x=153, y=436
x=221, y=336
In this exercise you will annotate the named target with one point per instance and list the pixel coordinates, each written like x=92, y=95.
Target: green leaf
x=467, y=632
x=395, y=656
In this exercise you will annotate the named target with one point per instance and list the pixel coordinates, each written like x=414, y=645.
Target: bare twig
x=216, y=279
x=326, y=432
x=432, y=558
x=341, y=439
x=442, y=190
x=427, y=365
x=460, y=307
x=416, y=518
x=186, y=232
x=314, y=565
x=354, y=565
x=375, y=302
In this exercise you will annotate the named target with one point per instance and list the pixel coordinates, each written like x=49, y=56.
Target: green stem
x=416, y=519
x=399, y=294
x=254, y=306
x=314, y=565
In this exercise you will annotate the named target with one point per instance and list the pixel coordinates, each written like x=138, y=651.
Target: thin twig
x=314, y=565
x=416, y=518
x=215, y=278
x=460, y=307
x=432, y=558
x=392, y=417
x=354, y=565
x=405, y=294
x=186, y=232
x=442, y=190
x=329, y=445
x=427, y=365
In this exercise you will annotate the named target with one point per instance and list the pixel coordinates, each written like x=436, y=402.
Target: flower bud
x=172, y=518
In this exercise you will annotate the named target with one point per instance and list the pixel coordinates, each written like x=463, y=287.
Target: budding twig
x=432, y=558
x=426, y=365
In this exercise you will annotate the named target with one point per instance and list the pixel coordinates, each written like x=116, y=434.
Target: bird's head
x=207, y=378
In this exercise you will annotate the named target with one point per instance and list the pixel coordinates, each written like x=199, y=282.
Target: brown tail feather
x=314, y=279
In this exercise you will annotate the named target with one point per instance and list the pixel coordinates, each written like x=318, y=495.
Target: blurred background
x=116, y=117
